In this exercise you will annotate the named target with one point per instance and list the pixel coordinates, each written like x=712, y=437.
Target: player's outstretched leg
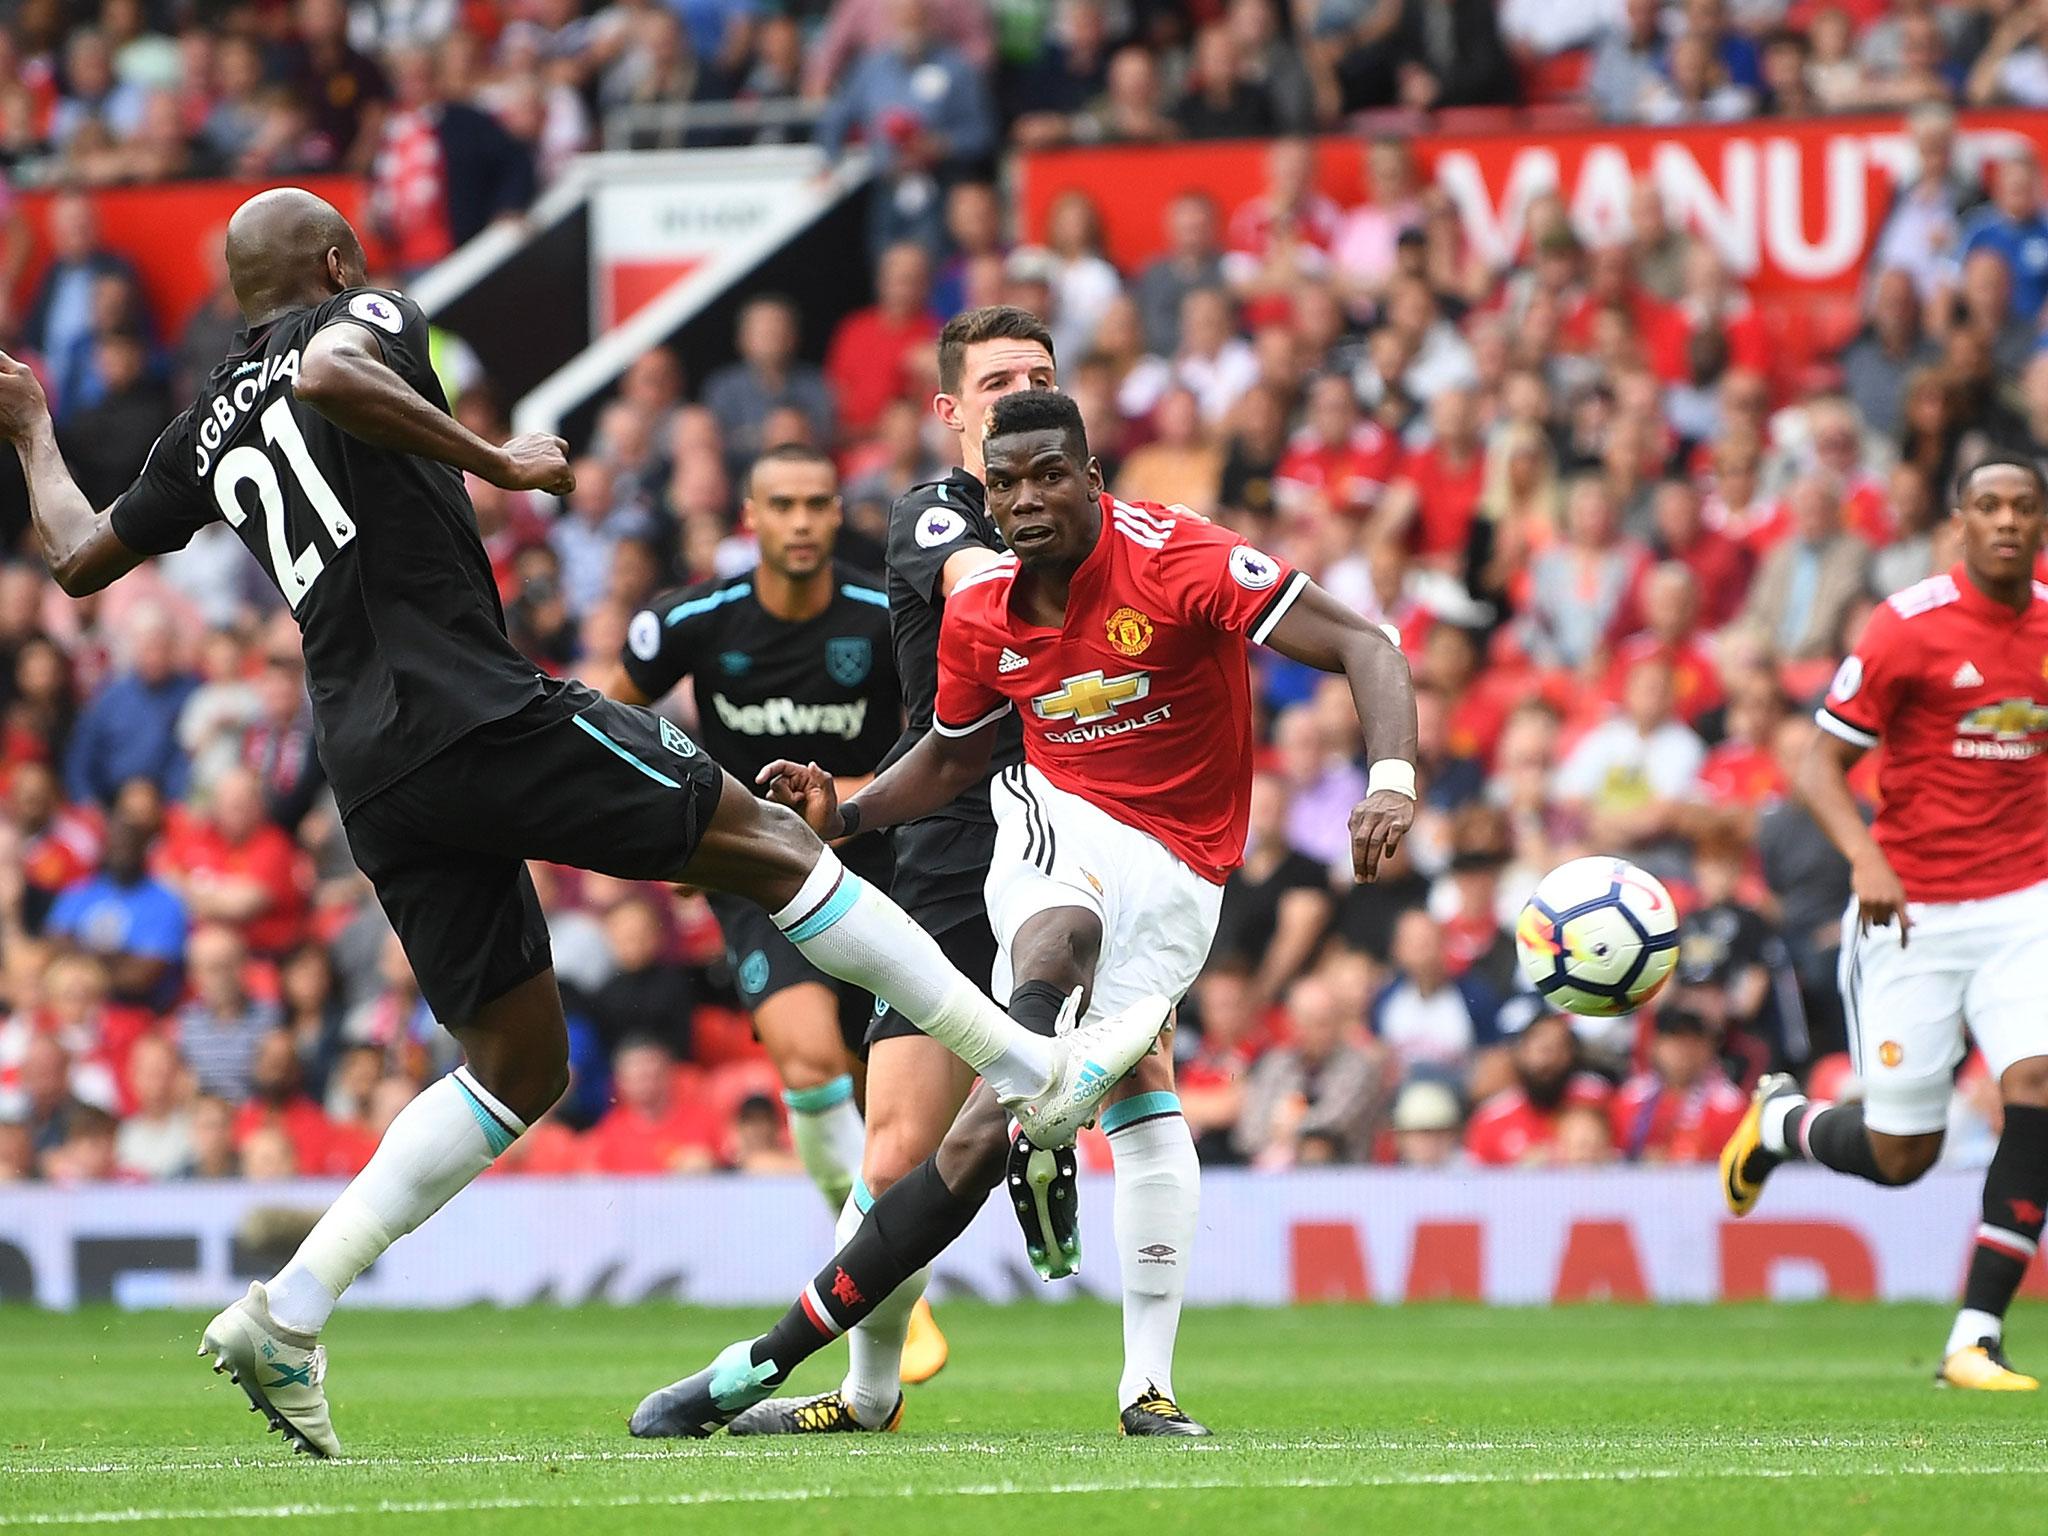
x=1784, y=1126
x=268, y=1342
x=908, y=1228
x=847, y=928
x=2015, y=1194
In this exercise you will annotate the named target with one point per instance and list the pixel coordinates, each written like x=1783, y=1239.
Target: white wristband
x=1391, y=773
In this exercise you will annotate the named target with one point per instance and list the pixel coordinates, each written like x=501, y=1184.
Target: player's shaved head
x=286, y=249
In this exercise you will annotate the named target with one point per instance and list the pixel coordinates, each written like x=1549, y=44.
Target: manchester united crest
x=1130, y=631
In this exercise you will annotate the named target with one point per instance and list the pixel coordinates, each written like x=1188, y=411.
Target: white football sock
x=436, y=1145
x=1972, y=1327
x=874, y=1345
x=1158, y=1196
x=827, y=1131
x=1771, y=1124
x=847, y=928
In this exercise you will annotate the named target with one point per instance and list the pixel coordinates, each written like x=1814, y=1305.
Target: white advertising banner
x=1505, y=1237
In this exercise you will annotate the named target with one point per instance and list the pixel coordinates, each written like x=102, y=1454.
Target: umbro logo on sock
x=1010, y=661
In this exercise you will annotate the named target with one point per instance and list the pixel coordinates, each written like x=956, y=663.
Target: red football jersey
x=1952, y=684
x=1141, y=704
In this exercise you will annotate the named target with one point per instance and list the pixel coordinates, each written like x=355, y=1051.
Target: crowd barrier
x=1510, y=1237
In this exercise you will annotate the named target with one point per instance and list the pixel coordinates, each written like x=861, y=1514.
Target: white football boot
x=282, y=1373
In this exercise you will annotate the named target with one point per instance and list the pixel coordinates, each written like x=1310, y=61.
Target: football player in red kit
x=1949, y=923
x=1120, y=634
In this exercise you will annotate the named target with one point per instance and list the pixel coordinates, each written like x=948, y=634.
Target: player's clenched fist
x=1880, y=895
x=806, y=789
x=21, y=398
x=534, y=461
x=1378, y=823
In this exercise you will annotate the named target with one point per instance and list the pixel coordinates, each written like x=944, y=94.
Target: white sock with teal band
x=1158, y=1197
x=436, y=1145
x=847, y=928
x=874, y=1345
x=827, y=1131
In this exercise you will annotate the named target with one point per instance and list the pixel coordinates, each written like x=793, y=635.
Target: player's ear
x=337, y=269
x=947, y=409
x=747, y=513
x=1094, y=473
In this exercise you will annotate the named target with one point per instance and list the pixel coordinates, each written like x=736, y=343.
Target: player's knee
x=1059, y=947
x=1903, y=1159
x=891, y=1150
x=2026, y=1083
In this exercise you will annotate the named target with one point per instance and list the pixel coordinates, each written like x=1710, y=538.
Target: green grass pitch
x=1440, y=1419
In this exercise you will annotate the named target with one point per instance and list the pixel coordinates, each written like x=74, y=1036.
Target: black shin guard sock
x=908, y=1227
x=2015, y=1194
x=1036, y=1005
x=1835, y=1138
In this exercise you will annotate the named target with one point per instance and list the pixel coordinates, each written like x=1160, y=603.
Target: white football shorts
x=1976, y=964
x=1054, y=849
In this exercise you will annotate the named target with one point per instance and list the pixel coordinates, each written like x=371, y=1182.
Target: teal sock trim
x=812, y=1101
x=1142, y=1106
x=862, y=1200
x=620, y=752
x=494, y=1133
x=837, y=905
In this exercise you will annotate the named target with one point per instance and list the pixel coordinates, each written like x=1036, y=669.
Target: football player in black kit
x=939, y=535
x=791, y=660
x=324, y=441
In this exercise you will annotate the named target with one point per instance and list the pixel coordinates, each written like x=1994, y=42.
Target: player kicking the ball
x=1949, y=926
x=324, y=441
x=1118, y=634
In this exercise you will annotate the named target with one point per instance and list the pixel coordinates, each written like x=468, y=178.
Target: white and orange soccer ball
x=1599, y=937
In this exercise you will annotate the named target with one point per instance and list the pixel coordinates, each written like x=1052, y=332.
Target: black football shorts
x=573, y=778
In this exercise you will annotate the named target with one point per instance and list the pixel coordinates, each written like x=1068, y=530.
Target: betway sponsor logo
x=786, y=717
x=1082, y=735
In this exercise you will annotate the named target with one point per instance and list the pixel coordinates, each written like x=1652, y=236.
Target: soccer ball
x=1599, y=937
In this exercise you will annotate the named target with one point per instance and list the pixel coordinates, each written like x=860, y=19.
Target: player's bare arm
x=78, y=542
x=1823, y=787
x=344, y=377
x=1321, y=632
x=927, y=778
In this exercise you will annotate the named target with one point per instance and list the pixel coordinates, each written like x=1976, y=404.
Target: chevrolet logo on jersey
x=1091, y=696
x=2007, y=720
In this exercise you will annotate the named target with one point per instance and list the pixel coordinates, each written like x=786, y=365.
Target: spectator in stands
x=220, y=1030
x=1520, y=1124
x=767, y=374
x=1891, y=347
x=62, y=319
x=1667, y=602
x=1915, y=553
x=277, y=1102
x=1983, y=303
x=2013, y=68
x=1920, y=234
x=1276, y=905
x=1321, y=1087
x=1337, y=464
x=1084, y=283
x=129, y=729
x=1787, y=72
x=1697, y=88
x=106, y=442
x=235, y=867
x=1268, y=65
x=854, y=28
x=2015, y=226
x=1808, y=581
x=877, y=352
x=1682, y=1107
x=134, y=923
x=1625, y=76
x=1720, y=567
x=1630, y=776
x=43, y=1098
x=1070, y=70
x=213, y=1140
x=926, y=117
x=1428, y=1125
x=278, y=745
x=652, y=1127
x=1578, y=586
x=2034, y=403
x=443, y=169
x=1182, y=465
x=1319, y=776
x=345, y=90
x=1214, y=363
x=1425, y=54
x=1192, y=261
x=1431, y=1021
x=646, y=997
x=17, y=1152
x=94, y=101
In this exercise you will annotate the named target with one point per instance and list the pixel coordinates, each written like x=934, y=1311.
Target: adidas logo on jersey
x=1967, y=676
x=1010, y=661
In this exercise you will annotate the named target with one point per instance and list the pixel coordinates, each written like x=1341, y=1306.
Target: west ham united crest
x=849, y=659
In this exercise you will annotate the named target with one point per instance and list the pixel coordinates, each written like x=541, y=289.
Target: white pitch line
x=142, y=1516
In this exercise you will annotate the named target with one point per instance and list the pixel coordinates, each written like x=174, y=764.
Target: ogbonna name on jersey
x=252, y=381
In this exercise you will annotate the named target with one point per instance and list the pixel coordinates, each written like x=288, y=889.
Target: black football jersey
x=375, y=551
x=820, y=691
x=929, y=524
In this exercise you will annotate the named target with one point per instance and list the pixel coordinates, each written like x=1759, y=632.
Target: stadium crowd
x=1623, y=542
